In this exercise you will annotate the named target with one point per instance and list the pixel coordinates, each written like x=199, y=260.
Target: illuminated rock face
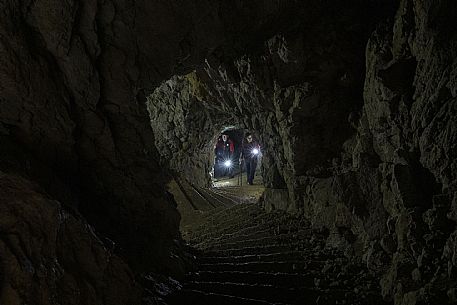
x=354, y=106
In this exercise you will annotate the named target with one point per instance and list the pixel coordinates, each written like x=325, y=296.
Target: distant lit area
x=237, y=158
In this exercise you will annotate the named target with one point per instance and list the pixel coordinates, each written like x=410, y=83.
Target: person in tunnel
x=249, y=154
x=224, y=151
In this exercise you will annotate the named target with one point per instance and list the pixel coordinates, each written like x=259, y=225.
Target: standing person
x=224, y=152
x=249, y=154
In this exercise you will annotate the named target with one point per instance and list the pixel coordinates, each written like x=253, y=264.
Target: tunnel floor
x=244, y=255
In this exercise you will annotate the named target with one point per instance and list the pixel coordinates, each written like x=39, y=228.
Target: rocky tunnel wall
x=358, y=130
x=186, y=127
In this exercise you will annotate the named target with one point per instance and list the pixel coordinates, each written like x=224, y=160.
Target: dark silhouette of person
x=224, y=151
x=250, y=154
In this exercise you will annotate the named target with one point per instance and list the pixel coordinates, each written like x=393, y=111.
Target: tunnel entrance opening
x=237, y=159
x=228, y=187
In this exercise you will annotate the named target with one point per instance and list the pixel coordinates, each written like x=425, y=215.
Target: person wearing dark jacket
x=249, y=155
x=224, y=152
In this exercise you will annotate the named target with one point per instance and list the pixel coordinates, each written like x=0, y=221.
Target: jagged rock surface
x=50, y=256
x=410, y=100
x=185, y=127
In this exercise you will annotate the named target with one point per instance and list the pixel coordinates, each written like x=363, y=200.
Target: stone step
x=273, y=294
x=196, y=297
x=197, y=201
x=229, y=196
x=247, y=256
x=279, y=279
x=248, y=233
x=228, y=232
x=235, y=229
x=237, y=215
x=221, y=219
x=252, y=250
x=257, y=219
x=212, y=196
x=316, y=278
x=238, y=208
x=306, y=253
x=272, y=266
x=278, y=256
x=281, y=239
x=246, y=211
x=234, y=195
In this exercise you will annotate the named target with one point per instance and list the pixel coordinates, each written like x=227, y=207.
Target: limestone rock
x=49, y=256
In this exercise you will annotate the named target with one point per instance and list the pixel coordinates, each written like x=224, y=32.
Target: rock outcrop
x=70, y=108
x=185, y=127
x=410, y=102
x=50, y=256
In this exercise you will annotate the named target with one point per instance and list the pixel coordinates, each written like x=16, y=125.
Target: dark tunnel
x=228, y=152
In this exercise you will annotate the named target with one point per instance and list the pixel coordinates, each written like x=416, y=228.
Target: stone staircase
x=246, y=256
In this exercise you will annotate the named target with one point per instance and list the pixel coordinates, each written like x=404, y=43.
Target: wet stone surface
x=243, y=255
